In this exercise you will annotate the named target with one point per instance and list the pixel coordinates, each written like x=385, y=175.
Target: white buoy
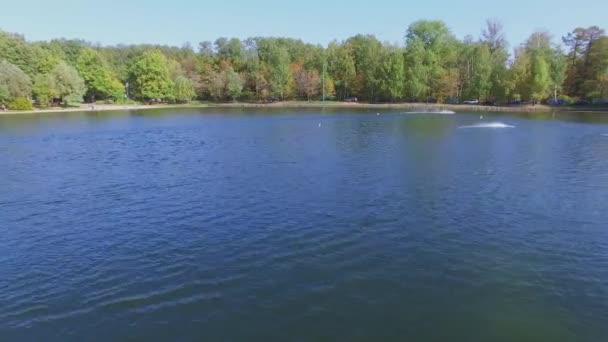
x=377, y=113
x=319, y=124
x=481, y=117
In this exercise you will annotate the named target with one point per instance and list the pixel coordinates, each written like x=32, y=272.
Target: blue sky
x=318, y=21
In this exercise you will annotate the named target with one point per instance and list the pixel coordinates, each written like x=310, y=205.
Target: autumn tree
x=307, y=83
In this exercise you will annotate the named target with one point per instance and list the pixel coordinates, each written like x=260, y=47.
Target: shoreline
x=317, y=104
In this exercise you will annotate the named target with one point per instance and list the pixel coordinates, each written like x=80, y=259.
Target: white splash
x=489, y=125
x=443, y=111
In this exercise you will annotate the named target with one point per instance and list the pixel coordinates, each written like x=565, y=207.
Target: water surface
x=284, y=225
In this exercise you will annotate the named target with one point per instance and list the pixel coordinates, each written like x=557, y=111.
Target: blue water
x=225, y=225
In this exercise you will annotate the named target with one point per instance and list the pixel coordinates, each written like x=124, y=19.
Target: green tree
x=431, y=53
x=493, y=35
x=46, y=60
x=597, y=69
x=14, y=82
x=481, y=82
x=579, y=67
x=341, y=68
x=417, y=71
x=518, y=86
x=20, y=103
x=67, y=83
x=15, y=50
x=149, y=75
x=98, y=78
x=366, y=52
x=234, y=84
x=392, y=75
x=558, y=64
x=231, y=50
x=541, y=80
x=44, y=89
x=277, y=59
x=5, y=95
x=68, y=49
x=184, y=89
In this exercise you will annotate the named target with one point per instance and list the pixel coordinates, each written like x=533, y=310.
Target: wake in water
x=605, y=134
x=489, y=125
x=431, y=111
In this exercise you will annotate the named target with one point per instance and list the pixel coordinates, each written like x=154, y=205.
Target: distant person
x=2, y=107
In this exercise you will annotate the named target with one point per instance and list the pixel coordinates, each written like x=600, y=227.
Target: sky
x=175, y=22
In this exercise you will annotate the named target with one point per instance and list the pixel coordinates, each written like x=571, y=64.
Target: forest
x=430, y=64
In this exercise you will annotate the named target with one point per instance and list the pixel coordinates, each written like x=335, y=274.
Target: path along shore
x=303, y=104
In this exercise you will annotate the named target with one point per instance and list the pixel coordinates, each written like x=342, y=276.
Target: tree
x=276, y=58
x=67, y=83
x=215, y=85
x=5, y=95
x=15, y=50
x=518, y=86
x=231, y=50
x=100, y=82
x=481, y=82
x=546, y=72
x=308, y=83
x=597, y=69
x=431, y=52
x=580, y=41
x=417, y=71
x=14, y=83
x=329, y=87
x=183, y=89
x=494, y=37
x=20, y=103
x=234, y=84
x=46, y=60
x=341, y=67
x=366, y=52
x=540, y=81
x=557, y=65
x=205, y=49
x=44, y=89
x=69, y=49
x=222, y=84
x=432, y=65
x=392, y=75
x=149, y=75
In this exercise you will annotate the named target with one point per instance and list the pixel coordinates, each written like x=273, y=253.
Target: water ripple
x=225, y=227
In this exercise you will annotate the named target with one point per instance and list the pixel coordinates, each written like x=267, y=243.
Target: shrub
x=566, y=99
x=21, y=103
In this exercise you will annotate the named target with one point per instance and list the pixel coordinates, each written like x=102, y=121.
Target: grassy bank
x=315, y=104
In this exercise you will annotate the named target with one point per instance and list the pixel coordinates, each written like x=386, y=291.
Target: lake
x=303, y=225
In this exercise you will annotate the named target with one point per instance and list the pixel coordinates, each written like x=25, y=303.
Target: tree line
x=431, y=64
